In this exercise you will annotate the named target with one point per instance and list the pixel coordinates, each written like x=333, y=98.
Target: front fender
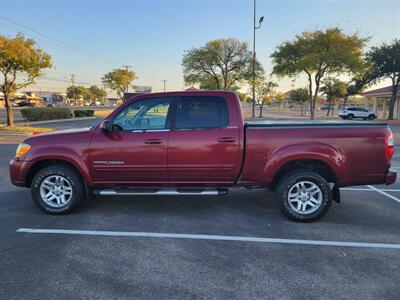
x=38, y=154
x=333, y=157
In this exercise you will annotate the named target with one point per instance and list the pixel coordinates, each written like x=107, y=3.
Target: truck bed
x=313, y=123
x=355, y=151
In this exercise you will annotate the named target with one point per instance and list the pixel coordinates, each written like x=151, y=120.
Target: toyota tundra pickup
x=196, y=143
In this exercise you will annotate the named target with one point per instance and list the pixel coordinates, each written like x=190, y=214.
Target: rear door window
x=201, y=112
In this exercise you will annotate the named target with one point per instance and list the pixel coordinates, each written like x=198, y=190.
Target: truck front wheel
x=57, y=189
x=303, y=196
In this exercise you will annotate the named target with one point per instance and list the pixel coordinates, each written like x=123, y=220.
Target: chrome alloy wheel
x=305, y=197
x=56, y=191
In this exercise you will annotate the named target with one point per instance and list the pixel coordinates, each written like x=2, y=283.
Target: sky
x=90, y=37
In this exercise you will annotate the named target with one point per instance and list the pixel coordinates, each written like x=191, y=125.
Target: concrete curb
x=7, y=133
x=54, y=121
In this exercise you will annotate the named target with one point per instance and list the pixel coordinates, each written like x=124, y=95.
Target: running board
x=163, y=192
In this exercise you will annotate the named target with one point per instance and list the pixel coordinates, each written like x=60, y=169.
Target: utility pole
x=73, y=79
x=254, y=59
x=127, y=69
x=165, y=84
x=73, y=84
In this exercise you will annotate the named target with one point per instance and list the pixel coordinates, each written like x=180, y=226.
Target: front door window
x=149, y=114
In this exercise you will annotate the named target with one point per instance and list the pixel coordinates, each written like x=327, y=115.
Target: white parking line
x=384, y=193
x=369, y=190
x=210, y=237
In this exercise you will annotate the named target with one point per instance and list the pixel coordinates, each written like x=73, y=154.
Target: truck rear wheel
x=57, y=190
x=303, y=196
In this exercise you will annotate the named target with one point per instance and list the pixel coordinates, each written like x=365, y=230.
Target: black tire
x=75, y=181
x=371, y=117
x=350, y=117
x=288, y=181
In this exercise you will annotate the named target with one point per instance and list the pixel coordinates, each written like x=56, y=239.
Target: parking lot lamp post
x=255, y=27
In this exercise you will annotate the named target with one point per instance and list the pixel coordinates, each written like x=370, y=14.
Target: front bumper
x=390, y=177
x=18, y=171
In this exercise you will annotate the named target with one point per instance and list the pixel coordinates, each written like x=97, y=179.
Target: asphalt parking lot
x=236, y=246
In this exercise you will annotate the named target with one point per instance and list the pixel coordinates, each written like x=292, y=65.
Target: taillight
x=389, y=146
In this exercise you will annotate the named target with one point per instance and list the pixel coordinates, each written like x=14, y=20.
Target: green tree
x=98, y=93
x=265, y=93
x=359, y=81
x=334, y=89
x=76, y=92
x=19, y=56
x=119, y=80
x=300, y=96
x=242, y=96
x=353, y=88
x=385, y=63
x=280, y=97
x=317, y=54
x=219, y=65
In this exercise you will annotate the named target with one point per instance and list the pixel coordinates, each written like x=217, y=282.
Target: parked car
x=25, y=104
x=196, y=143
x=351, y=113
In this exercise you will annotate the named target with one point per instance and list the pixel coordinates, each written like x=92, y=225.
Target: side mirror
x=105, y=125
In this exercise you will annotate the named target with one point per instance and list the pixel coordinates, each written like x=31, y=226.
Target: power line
x=58, y=42
x=65, y=81
x=55, y=73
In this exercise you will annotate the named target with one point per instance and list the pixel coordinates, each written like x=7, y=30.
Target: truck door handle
x=226, y=140
x=153, y=141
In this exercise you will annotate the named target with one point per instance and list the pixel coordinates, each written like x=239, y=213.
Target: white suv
x=350, y=113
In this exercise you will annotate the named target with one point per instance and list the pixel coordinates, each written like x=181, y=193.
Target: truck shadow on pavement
x=240, y=213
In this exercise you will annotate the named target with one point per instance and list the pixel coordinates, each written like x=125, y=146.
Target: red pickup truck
x=196, y=143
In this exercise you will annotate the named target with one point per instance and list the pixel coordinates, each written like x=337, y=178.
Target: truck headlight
x=22, y=150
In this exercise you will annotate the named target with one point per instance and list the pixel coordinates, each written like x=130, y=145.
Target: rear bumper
x=390, y=177
x=18, y=170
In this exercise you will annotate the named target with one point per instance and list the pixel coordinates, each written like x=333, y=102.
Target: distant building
x=378, y=100
x=142, y=89
x=192, y=89
x=50, y=96
x=288, y=99
x=19, y=97
x=128, y=96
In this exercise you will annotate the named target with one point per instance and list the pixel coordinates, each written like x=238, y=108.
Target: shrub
x=79, y=113
x=46, y=113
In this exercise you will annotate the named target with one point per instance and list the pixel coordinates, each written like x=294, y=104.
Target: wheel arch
x=40, y=164
x=319, y=166
x=326, y=160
